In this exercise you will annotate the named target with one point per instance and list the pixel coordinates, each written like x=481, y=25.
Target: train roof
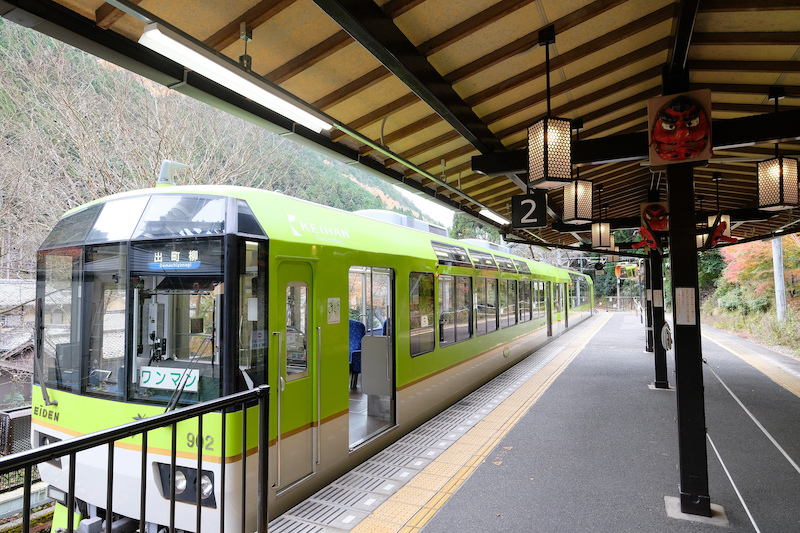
x=288, y=219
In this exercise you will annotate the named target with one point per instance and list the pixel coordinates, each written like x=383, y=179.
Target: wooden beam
x=106, y=15
x=253, y=17
x=353, y=88
x=471, y=25
x=530, y=40
x=310, y=57
x=573, y=55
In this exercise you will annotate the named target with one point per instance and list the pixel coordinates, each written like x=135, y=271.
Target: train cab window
x=104, y=285
x=72, y=229
x=421, y=313
x=508, y=302
x=455, y=309
x=176, y=291
x=59, y=293
x=486, y=310
x=118, y=219
x=296, y=331
x=524, y=300
x=168, y=215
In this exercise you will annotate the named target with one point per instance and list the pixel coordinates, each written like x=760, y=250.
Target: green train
x=363, y=328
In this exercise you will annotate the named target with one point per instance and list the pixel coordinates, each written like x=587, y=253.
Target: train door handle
x=281, y=384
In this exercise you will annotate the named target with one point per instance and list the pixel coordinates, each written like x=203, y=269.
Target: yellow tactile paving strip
x=766, y=367
x=410, y=508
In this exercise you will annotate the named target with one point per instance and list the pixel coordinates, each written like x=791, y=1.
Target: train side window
x=557, y=306
x=492, y=309
x=296, y=331
x=524, y=300
x=486, y=305
x=541, y=300
x=455, y=306
x=421, y=313
x=369, y=298
x=508, y=302
x=252, y=335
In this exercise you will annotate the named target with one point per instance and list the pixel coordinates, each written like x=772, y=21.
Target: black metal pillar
x=693, y=460
x=648, y=306
x=656, y=277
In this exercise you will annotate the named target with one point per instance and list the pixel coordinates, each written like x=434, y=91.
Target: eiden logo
x=322, y=231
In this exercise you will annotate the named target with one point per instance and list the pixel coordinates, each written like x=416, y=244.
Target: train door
x=371, y=352
x=297, y=376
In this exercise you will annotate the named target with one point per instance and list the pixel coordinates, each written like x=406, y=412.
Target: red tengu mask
x=655, y=217
x=680, y=130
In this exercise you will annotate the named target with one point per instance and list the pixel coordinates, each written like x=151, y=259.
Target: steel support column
x=655, y=276
x=648, y=306
x=693, y=459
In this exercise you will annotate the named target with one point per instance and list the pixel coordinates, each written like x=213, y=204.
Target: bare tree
x=74, y=128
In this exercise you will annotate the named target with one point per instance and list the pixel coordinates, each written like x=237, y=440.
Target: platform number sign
x=529, y=210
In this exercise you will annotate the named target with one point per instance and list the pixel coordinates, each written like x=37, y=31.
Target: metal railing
x=27, y=460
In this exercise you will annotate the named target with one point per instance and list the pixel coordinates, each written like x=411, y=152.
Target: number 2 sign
x=529, y=210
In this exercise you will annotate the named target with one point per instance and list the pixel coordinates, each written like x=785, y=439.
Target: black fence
x=26, y=461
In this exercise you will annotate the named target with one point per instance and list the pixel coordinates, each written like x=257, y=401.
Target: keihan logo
x=327, y=232
x=294, y=231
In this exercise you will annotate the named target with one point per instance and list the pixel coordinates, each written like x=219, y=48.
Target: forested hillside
x=74, y=128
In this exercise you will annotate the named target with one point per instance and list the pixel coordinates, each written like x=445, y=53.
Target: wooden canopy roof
x=438, y=94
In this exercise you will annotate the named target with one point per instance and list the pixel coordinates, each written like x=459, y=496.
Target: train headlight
x=45, y=440
x=180, y=482
x=185, y=483
x=206, y=486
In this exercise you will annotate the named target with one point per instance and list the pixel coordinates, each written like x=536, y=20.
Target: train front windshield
x=152, y=299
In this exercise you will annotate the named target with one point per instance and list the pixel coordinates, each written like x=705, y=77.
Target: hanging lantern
x=578, y=202
x=601, y=236
x=701, y=240
x=613, y=258
x=549, y=153
x=550, y=139
x=777, y=177
x=777, y=184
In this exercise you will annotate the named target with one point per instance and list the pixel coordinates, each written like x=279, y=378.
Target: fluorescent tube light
x=206, y=63
x=491, y=215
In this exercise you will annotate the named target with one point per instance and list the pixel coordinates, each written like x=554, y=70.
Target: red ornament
x=681, y=130
x=719, y=235
x=655, y=217
x=648, y=240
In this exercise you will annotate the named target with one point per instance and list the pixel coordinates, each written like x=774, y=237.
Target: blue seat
x=357, y=332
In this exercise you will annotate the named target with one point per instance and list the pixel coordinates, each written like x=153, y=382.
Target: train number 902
x=193, y=440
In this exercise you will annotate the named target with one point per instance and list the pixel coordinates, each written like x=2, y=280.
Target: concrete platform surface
x=598, y=451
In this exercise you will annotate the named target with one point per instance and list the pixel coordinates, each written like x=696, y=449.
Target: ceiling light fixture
x=491, y=215
x=549, y=140
x=578, y=194
x=777, y=177
x=194, y=56
x=602, y=238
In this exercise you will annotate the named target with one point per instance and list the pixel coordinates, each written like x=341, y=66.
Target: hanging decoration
x=679, y=127
x=655, y=222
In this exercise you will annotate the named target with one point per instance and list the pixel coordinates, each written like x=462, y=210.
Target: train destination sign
x=529, y=210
